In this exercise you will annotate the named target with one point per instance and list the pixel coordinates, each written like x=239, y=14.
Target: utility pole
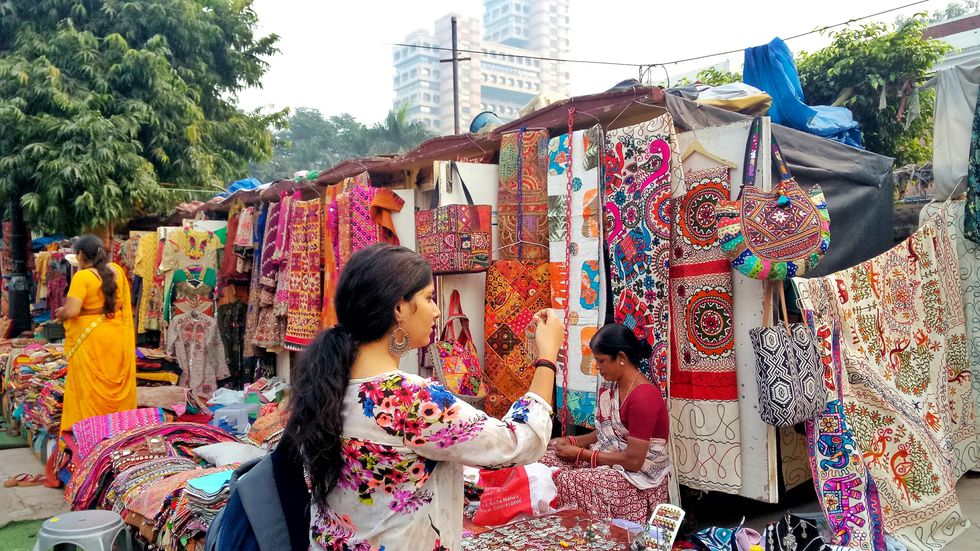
x=455, y=61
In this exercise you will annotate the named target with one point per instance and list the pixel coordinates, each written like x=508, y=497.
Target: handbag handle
x=768, y=292
x=752, y=157
x=449, y=186
x=456, y=313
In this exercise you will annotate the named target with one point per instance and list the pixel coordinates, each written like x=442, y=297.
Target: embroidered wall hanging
x=905, y=381
x=303, y=320
x=641, y=164
x=576, y=285
x=516, y=290
x=522, y=201
x=703, y=386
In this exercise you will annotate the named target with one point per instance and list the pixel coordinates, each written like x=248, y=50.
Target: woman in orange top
x=100, y=340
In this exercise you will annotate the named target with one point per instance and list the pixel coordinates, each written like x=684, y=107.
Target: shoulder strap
x=456, y=313
x=466, y=191
x=779, y=162
x=751, y=154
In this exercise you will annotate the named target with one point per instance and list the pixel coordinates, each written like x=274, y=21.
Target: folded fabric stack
x=34, y=387
x=267, y=430
x=95, y=474
x=205, y=497
x=135, y=480
x=169, y=504
x=89, y=432
x=157, y=371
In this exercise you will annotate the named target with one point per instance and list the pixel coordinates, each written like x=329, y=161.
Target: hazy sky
x=336, y=56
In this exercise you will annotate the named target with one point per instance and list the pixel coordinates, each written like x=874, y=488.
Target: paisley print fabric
x=576, y=256
x=305, y=256
x=641, y=165
x=703, y=386
x=905, y=381
x=522, y=201
x=515, y=291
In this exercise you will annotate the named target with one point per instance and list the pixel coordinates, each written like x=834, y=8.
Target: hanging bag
x=455, y=239
x=788, y=368
x=775, y=234
x=455, y=361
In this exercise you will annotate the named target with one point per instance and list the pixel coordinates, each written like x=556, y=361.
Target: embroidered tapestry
x=968, y=254
x=305, y=256
x=905, y=380
x=516, y=290
x=641, y=165
x=522, y=200
x=703, y=386
x=331, y=253
x=847, y=493
x=576, y=255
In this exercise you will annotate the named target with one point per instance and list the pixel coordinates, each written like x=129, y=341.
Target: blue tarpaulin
x=246, y=184
x=771, y=68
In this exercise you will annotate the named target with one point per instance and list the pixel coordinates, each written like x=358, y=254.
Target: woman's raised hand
x=548, y=334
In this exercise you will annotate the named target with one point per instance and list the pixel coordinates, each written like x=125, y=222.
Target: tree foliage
x=312, y=141
x=100, y=100
x=864, y=62
x=712, y=77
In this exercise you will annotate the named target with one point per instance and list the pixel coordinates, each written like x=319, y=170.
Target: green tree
x=100, y=100
x=311, y=141
x=712, y=77
x=862, y=62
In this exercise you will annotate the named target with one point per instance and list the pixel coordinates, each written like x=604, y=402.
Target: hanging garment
x=847, y=493
x=642, y=166
x=231, y=327
x=971, y=217
x=331, y=271
x=968, y=254
x=365, y=215
x=193, y=339
x=255, y=290
x=188, y=252
x=956, y=100
x=522, y=199
x=576, y=263
x=269, y=266
x=304, y=301
x=904, y=379
x=515, y=292
x=146, y=264
x=193, y=296
x=703, y=386
x=771, y=68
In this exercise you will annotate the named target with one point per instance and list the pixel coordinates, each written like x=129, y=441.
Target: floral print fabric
x=905, y=388
x=405, y=440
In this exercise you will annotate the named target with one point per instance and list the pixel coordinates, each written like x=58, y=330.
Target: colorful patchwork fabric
x=515, y=292
x=576, y=262
x=703, y=386
x=522, y=200
x=641, y=166
x=303, y=320
x=905, y=381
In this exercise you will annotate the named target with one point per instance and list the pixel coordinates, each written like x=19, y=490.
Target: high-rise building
x=503, y=80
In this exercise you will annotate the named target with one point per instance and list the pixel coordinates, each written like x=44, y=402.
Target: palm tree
x=396, y=134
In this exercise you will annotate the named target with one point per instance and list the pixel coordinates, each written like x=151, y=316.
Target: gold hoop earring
x=398, y=347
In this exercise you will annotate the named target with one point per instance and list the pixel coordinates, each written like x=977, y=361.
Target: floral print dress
x=406, y=439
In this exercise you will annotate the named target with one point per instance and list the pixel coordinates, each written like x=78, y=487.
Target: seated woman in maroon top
x=620, y=469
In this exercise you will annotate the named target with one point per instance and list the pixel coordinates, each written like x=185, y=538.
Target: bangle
x=572, y=441
x=541, y=362
x=594, y=461
x=578, y=456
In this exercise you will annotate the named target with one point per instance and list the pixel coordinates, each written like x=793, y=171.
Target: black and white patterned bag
x=787, y=369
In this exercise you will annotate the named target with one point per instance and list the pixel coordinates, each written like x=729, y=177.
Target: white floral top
x=406, y=439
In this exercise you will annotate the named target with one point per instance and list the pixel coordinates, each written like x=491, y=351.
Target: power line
x=621, y=64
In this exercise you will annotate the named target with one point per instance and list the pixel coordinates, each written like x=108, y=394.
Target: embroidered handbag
x=455, y=360
x=455, y=239
x=775, y=234
x=788, y=369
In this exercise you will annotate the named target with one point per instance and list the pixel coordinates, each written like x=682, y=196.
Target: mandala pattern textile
x=968, y=254
x=847, y=493
x=905, y=381
x=576, y=281
x=515, y=292
x=641, y=168
x=305, y=303
x=703, y=386
x=522, y=200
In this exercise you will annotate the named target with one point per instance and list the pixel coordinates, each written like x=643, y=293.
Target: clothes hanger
x=697, y=147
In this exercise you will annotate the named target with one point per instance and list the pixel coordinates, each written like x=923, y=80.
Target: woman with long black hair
x=384, y=449
x=100, y=339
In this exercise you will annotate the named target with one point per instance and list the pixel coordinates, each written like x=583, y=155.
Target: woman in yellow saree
x=100, y=339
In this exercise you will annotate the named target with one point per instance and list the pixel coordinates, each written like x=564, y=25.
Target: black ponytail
x=614, y=338
x=371, y=285
x=91, y=247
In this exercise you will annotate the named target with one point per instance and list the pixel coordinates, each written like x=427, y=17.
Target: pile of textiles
x=267, y=430
x=157, y=371
x=200, y=501
x=89, y=432
x=578, y=529
x=35, y=385
x=93, y=476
